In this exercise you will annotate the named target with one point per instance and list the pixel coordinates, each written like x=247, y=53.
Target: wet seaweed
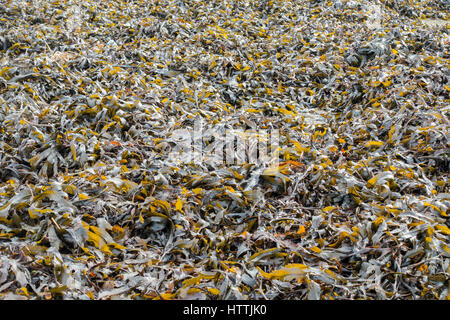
x=92, y=94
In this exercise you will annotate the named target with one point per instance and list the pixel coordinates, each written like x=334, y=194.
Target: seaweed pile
x=92, y=91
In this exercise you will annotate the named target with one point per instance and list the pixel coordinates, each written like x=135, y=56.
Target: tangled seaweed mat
x=92, y=208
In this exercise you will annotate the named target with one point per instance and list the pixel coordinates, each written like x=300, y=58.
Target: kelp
x=94, y=96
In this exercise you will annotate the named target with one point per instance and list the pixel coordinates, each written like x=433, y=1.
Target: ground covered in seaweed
x=92, y=91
